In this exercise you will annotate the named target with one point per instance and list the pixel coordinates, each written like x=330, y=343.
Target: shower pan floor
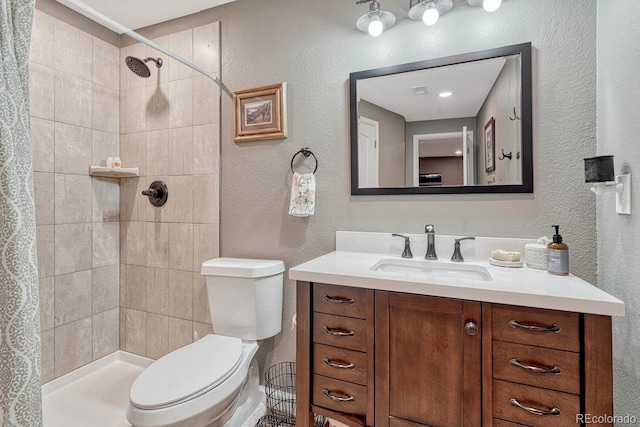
x=95, y=395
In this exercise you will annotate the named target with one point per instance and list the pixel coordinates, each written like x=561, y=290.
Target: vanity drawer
x=339, y=363
x=342, y=300
x=340, y=331
x=538, y=327
x=568, y=405
x=340, y=396
x=502, y=423
x=534, y=365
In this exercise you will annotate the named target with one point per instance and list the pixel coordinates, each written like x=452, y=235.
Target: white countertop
x=516, y=286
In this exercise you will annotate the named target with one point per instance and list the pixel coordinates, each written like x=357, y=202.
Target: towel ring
x=305, y=152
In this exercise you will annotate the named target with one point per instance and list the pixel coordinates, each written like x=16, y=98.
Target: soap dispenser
x=558, y=255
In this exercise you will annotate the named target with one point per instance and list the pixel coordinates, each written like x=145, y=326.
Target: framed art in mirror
x=489, y=146
x=434, y=126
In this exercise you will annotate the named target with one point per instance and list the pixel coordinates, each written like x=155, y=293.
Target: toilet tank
x=245, y=296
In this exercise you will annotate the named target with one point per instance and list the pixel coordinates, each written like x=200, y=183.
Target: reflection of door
x=468, y=157
x=368, y=153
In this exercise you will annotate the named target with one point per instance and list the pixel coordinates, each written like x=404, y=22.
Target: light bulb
x=431, y=15
x=375, y=26
x=491, y=5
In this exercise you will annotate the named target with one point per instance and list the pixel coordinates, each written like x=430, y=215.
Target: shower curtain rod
x=79, y=6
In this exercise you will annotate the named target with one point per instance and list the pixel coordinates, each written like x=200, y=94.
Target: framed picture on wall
x=490, y=145
x=260, y=113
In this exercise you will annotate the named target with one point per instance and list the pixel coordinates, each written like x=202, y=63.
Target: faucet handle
x=457, y=255
x=457, y=241
x=407, y=246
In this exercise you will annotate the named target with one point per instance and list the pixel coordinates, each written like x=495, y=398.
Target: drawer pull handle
x=535, y=411
x=339, y=300
x=338, y=365
x=338, y=332
x=537, y=369
x=534, y=328
x=332, y=396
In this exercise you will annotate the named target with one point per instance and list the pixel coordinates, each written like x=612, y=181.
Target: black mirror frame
x=524, y=50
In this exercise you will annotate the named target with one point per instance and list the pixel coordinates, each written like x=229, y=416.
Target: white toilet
x=214, y=381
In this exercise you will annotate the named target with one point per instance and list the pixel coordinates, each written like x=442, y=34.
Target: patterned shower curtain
x=20, y=395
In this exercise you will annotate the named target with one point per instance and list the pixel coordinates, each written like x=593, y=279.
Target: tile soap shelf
x=107, y=172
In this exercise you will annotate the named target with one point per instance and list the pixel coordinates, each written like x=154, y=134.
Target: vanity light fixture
x=599, y=171
x=376, y=20
x=488, y=5
x=429, y=11
x=445, y=94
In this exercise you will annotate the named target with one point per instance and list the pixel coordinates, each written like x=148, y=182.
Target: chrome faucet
x=431, y=242
x=407, y=246
x=457, y=255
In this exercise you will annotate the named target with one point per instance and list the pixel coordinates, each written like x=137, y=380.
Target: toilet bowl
x=214, y=381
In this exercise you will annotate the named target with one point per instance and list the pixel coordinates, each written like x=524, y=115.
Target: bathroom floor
x=93, y=396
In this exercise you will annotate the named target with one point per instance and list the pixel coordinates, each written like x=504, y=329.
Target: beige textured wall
x=170, y=130
x=619, y=235
x=314, y=46
x=74, y=82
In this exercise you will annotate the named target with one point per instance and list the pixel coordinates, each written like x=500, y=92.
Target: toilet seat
x=187, y=373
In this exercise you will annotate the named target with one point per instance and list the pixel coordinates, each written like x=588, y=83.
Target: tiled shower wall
x=86, y=106
x=169, y=129
x=74, y=83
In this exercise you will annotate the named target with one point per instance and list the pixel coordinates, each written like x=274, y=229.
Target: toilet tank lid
x=241, y=267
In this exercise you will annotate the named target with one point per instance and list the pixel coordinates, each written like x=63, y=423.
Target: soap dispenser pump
x=558, y=255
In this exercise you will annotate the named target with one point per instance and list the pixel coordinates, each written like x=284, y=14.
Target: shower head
x=139, y=66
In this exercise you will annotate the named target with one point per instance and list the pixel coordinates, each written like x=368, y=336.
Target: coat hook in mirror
x=515, y=115
x=505, y=156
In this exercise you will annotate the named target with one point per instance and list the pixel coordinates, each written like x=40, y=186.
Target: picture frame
x=260, y=113
x=490, y=145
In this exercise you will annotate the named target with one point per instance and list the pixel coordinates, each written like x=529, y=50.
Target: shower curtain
x=20, y=395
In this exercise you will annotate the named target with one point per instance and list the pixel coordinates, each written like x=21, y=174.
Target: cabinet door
x=429, y=366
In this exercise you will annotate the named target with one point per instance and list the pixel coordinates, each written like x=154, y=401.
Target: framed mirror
x=460, y=124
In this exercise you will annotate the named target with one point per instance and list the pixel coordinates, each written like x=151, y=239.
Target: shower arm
x=79, y=6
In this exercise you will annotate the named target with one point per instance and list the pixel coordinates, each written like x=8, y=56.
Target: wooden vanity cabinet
x=428, y=370
x=335, y=354
x=404, y=360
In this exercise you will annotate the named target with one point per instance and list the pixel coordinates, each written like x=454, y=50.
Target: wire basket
x=280, y=387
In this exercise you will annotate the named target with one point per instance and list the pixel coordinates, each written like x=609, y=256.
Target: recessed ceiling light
x=459, y=152
x=419, y=90
x=445, y=94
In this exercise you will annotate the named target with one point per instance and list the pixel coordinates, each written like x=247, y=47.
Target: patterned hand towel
x=303, y=194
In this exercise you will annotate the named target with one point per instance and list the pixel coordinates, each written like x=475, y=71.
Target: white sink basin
x=433, y=269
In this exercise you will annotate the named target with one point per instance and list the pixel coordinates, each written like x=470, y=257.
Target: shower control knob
x=471, y=328
x=157, y=193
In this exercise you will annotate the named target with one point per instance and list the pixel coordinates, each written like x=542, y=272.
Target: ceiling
x=469, y=82
x=135, y=14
